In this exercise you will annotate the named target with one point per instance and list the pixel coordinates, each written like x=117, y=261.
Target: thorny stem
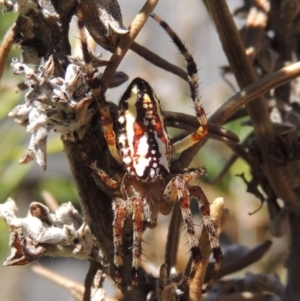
x=126, y=41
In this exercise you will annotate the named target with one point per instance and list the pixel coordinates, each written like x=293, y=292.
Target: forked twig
x=251, y=92
x=126, y=41
x=93, y=283
x=258, y=111
x=238, y=100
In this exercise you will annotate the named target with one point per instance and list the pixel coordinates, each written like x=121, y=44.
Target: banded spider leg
x=181, y=182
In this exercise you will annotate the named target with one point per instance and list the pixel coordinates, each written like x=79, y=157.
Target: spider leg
x=120, y=213
x=201, y=132
x=138, y=228
x=100, y=172
x=96, y=87
x=178, y=189
x=123, y=209
x=197, y=192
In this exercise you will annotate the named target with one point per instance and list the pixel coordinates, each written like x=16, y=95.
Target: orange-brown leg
x=95, y=85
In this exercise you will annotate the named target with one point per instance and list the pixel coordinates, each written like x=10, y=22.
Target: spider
x=143, y=147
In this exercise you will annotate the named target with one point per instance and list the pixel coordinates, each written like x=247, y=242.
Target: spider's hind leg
x=179, y=189
x=209, y=227
x=120, y=213
x=122, y=209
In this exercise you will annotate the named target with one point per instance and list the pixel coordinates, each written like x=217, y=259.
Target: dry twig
x=5, y=48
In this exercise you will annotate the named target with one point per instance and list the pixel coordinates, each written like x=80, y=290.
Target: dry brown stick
x=250, y=257
x=93, y=283
x=50, y=201
x=89, y=280
x=76, y=289
x=251, y=92
x=126, y=41
x=255, y=27
x=292, y=262
x=258, y=110
x=190, y=123
x=260, y=87
x=5, y=48
x=157, y=60
x=244, y=296
x=173, y=238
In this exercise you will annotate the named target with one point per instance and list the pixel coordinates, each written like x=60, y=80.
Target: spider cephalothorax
x=143, y=147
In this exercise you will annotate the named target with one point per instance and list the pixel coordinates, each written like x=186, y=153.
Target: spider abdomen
x=144, y=143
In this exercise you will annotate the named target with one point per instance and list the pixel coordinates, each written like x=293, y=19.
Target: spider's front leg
x=192, y=73
x=96, y=87
x=179, y=189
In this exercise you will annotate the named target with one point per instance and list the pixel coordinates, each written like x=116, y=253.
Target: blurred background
x=24, y=184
